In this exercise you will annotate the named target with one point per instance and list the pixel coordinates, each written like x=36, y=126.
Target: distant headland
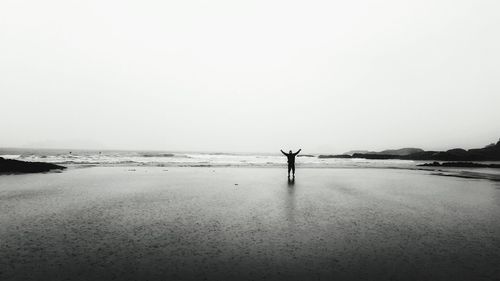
x=490, y=152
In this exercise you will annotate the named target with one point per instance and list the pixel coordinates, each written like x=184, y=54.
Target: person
x=291, y=161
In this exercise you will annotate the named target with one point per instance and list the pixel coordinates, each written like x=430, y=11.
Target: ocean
x=70, y=157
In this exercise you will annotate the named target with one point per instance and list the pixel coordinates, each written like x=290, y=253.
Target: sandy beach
x=154, y=223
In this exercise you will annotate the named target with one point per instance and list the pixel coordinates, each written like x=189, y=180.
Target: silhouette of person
x=291, y=161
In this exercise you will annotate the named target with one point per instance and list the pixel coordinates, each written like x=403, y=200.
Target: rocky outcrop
x=375, y=156
x=460, y=165
x=402, y=151
x=487, y=153
x=9, y=166
x=335, y=156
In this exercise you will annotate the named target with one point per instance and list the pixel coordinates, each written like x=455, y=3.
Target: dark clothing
x=291, y=167
x=291, y=161
x=291, y=157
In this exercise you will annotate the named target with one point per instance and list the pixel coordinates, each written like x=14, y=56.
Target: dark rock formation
x=9, y=166
x=375, y=156
x=488, y=153
x=460, y=165
x=335, y=156
x=400, y=152
x=425, y=155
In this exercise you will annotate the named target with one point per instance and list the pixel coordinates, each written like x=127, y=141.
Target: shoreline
x=492, y=174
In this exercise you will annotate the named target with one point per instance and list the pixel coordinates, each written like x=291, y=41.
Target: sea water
x=188, y=159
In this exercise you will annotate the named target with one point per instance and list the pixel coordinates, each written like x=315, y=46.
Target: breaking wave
x=169, y=159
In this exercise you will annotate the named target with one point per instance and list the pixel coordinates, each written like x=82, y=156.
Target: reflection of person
x=291, y=161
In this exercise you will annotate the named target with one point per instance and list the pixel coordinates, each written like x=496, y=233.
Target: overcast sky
x=324, y=76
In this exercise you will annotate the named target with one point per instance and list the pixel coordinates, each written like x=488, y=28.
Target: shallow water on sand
x=151, y=223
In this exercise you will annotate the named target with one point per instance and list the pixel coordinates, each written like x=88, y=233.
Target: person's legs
x=289, y=168
x=293, y=170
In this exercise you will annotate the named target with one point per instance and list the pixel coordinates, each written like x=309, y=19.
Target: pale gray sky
x=326, y=76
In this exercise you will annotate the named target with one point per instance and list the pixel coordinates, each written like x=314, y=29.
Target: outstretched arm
x=283, y=152
x=297, y=152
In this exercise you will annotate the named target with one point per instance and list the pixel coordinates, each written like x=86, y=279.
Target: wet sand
x=120, y=223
